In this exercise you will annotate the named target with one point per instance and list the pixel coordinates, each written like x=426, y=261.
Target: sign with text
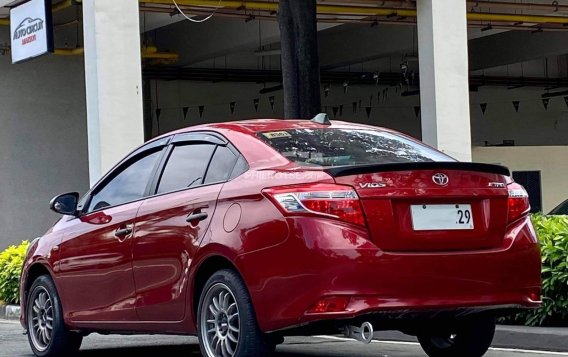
x=31, y=30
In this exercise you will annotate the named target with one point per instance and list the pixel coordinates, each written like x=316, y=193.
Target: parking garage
x=481, y=80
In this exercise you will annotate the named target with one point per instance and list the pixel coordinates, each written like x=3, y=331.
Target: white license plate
x=441, y=217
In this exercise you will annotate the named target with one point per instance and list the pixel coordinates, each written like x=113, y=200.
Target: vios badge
x=372, y=185
x=441, y=179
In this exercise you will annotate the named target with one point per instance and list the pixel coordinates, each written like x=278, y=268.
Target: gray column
x=444, y=89
x=113, y=82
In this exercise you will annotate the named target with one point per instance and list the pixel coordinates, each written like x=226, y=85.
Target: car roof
x=254, y=126
x=256, y=154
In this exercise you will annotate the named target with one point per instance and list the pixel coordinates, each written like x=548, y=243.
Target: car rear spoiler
x=340, y=171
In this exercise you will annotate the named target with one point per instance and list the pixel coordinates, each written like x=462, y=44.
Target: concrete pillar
x=113, y=82
x=444, y=83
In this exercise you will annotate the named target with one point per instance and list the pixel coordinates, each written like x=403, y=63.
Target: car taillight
x=334, y=201
x=518, y=202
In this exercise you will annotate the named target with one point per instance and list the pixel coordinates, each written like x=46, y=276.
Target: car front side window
x=127, y=186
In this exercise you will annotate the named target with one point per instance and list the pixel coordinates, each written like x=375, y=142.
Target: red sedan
x=243, y=233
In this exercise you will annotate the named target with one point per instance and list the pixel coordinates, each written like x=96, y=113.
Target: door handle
x=201, y=216
x=123, y=232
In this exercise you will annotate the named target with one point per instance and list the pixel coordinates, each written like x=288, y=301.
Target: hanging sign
x=31, y=30
x=335, y=111
x=417, y=111
x=545, y=102
x=272, y=100
x=516, y=105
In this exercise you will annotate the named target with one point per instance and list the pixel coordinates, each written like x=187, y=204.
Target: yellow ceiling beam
x=481, y=16
x=338, y=10
x=69, y=51
x=61, y=5
x=273, y=6
x=361, y=10
x=146, y=52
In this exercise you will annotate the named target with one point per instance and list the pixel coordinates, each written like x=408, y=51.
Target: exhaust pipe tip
x=363, y=333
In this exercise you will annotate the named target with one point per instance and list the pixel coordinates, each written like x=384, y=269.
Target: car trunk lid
x=431, y=206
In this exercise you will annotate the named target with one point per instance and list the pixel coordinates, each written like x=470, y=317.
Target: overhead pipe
x=517, y=6
x=354, y=78
x=364, y=21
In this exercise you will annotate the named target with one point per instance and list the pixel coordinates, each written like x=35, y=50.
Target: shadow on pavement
x=153, y=351
x=146, y=351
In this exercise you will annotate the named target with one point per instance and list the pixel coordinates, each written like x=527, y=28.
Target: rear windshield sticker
x=277, y=135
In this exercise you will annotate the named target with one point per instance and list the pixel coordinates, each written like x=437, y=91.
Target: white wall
x=43, y=148
x=549, y=160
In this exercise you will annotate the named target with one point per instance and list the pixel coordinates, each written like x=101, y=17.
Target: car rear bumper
x=323, y=258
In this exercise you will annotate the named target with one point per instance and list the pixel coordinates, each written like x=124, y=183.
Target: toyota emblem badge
x=441, y=179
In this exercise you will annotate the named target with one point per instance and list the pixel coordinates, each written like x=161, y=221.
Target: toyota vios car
x=243, y=233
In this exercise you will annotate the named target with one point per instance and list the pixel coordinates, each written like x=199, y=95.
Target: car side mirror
x=65, y=204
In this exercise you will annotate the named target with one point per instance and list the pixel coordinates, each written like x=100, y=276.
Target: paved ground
x=14, y=344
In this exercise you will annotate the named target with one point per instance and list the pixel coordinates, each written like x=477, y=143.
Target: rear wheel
x=47, y=333
x=468, y=338
x=227, y=325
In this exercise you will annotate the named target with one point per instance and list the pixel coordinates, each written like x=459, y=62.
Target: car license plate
x=441, y=217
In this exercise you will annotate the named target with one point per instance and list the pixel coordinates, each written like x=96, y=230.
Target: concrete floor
x=14, y=344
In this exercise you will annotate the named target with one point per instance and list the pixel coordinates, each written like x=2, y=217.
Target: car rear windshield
x=341, y=147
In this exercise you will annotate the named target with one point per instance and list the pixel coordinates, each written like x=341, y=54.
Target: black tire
x=251, y=342
x=468, y=338
x=61, y=342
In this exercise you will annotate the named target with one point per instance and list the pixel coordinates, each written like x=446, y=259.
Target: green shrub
x=11, y=262
x=553, y=234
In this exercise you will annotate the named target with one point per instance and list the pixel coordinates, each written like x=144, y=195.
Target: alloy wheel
x=40, y=319
x=220, y=322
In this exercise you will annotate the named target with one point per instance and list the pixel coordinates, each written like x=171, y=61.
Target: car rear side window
x=186, y=167
x=127, y=186
x=221, y=165
x=342, y=147
x=240, y=168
